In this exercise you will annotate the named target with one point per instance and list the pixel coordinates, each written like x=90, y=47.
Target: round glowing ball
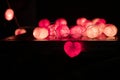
x=101, y=27
x=63, y=31
x=73, y=49
x=92, y=32
x=52, y=32
x=81, y=21
x=20, y=31
x=87, y=23
x=44, y=23
x=76, y=31
x=52, y=29
x=110, y=30
x=61, y=21
x=99, y=20
x=40, y=33
x=9, y=14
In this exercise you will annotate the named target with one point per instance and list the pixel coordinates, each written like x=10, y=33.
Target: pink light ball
x=62, y=31
x=87, y=23
x=76, y=31
x=61, y=21
x=110, y=30
x=81, y=21
x=99, y=20
x=101, y=27
x=40, y=33
x=9, y=14
x=44, y=23
x=20, y=31
x=52, y=32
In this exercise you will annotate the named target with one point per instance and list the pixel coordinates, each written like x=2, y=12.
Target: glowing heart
x=72, y=49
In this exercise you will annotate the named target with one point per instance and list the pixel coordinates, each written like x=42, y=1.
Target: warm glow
x=99, y=20
x=40, y=33
x=102, y=37
x=9, y=14
x=44, y=23
x=20, y=31
x=76, y=31
x=110, y=30
x=92, y=32
x=62, y=31
x=61, y=21
x=101, y=27
x=111, y=38
x=73, y=49
x=87, y=23
x=81, y=21
x=52, y=32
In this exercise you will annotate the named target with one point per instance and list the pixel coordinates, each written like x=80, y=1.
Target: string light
x=11, y=15
x=76, y=33
x=40, y=33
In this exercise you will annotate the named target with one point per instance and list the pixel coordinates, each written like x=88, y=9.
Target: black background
x=47, y=60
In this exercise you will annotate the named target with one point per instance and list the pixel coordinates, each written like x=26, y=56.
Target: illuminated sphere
x=52, y=29
x=81, y=21
x=76, y=31
x=20, y=31
x=99, y=20
x=110, y=30
x=87, y=23
x=44, y=23
x=63, y=31
x=52, y=32
x=61, y=21
x=92, y=32
x=101, y=27
x=9, y=14
x=40, y=33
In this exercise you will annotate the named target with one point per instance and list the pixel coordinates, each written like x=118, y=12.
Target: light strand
x=15, y=18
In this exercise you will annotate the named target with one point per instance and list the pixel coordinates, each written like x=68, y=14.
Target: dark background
x=47, y=60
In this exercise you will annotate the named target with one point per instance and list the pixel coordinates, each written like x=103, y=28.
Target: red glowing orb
x=61, y=21
x=76, y=31
x=87, y=23
x=81, y=21
x=52, y=32
x=99, y=20
x=62, y=31
x=40, y=33
x=20, y=31
x=73, y=49
x=44, y=23
x=101, y=27
x=9, y=14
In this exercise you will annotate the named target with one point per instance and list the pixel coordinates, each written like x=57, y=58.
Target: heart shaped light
x=73, y=49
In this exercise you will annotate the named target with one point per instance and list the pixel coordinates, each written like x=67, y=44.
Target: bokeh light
x=9, y=14
x=110, y=30
x=20, y=31
x=40, y=33
x=73, y=49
